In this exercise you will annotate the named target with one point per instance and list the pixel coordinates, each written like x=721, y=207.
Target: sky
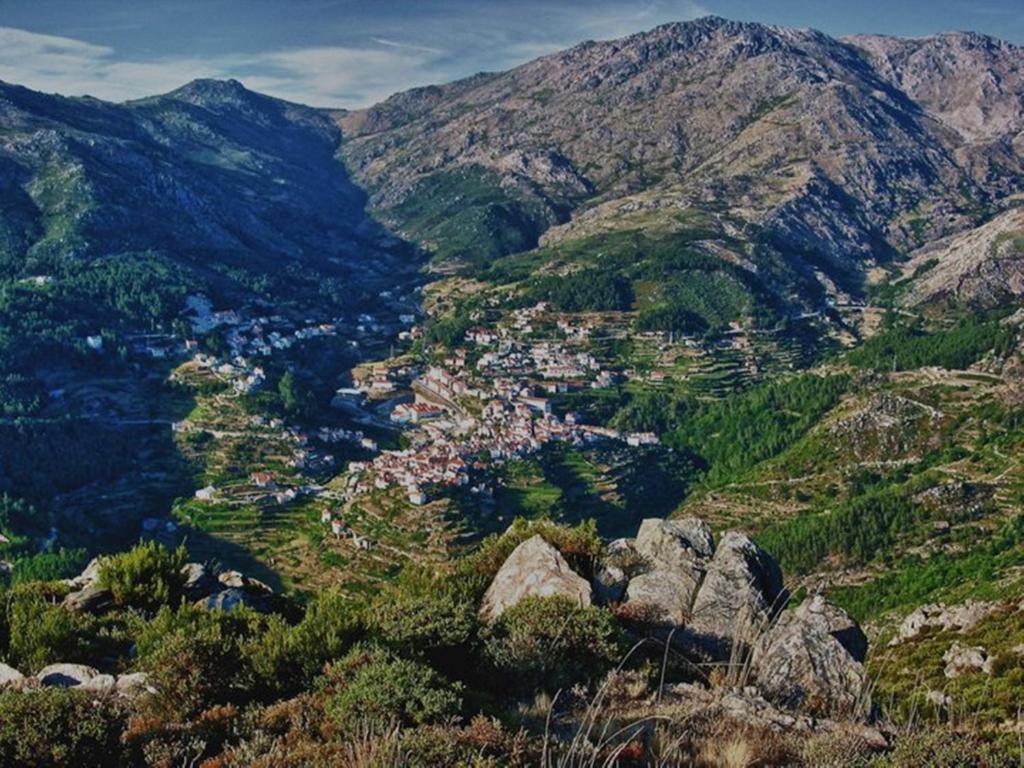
x=353, y=53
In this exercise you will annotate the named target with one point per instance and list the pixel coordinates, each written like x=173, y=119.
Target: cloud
x=434, y=46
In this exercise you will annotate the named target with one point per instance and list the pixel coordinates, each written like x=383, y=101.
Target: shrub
x=427, y=621
x=89, y=729
x=146, y=576
x=42, y=632
x=193, y=670
x=374, y=686
x=552, y=643
x=331, y=626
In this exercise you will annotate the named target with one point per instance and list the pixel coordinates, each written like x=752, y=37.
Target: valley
x=721, y=308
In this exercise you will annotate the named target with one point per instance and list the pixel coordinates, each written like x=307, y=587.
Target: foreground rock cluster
x=721, y=603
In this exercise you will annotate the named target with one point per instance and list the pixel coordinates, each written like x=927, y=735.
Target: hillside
x=668, y=380
x=806, y=160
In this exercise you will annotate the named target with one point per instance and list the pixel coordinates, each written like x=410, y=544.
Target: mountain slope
x=834, y=154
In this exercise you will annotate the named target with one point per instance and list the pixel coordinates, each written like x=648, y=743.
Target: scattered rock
x=609, y=584
x=960, y=618
x=800, y=663
x=87, y=577
x=740, y=594
x=9, y=675
x=534, y=569
x=99, y=683
x=199, y=582
x=65, y=675
x=133, y=683
x=91, y=599
x=229, y=600
x=964, y=659
x=938, y=698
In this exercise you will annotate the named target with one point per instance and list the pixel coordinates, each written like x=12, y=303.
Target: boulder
x=534, y=569
x=801, y=664
x=964, y=659
x=91, y=599
x=132, y=684
x=676, y=544
x=99, y=683
x=228, y=600
x=839, y=624
x=609, y=583
x=66, y=675
x=740, y=594
x=87, y=577
x=667, y=593
x=199, y=582
x=9, y=675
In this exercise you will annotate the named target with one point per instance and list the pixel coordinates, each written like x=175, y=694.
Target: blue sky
x=352, y=53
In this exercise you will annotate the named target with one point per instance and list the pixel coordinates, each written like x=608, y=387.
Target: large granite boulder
x=665, y=596
x=740, y=594
x=800, y=663
x=840, y=624
x=676, y=553
x=680, y=545
x=534, y=569
x=66, y=675
x=962, y=617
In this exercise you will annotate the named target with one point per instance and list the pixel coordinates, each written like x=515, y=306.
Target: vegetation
x=147, y=577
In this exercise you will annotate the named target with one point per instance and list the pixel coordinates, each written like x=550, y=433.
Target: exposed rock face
x=678, y=544
x=981, y=267
x=534, y=569
x=959, y=618
x=802, y=663
x=66, y=675
x=609, y=584
x=741, y=592
x=964, y=659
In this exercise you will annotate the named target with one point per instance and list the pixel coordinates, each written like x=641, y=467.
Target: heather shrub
x=59, y=727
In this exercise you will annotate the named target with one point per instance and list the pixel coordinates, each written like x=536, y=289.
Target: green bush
x=372, y=686
x=425, y=620
x=552, y=643
x=146, y=576
x=60, y=727
x=42, y=632
x=193, y=670
x=331, y=625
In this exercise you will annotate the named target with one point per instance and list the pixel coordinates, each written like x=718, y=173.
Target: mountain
x=235, y=188
x=808, y=160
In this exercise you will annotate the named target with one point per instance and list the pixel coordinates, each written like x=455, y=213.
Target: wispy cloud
x=435, y=46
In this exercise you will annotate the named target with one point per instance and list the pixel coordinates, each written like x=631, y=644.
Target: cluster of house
x=340, y=530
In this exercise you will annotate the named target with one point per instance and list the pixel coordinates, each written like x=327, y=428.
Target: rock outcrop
x=741, y=593
x=724, y=604
x=962, y=617
x=802, y=663
x=534, y=569
x=964, y=659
